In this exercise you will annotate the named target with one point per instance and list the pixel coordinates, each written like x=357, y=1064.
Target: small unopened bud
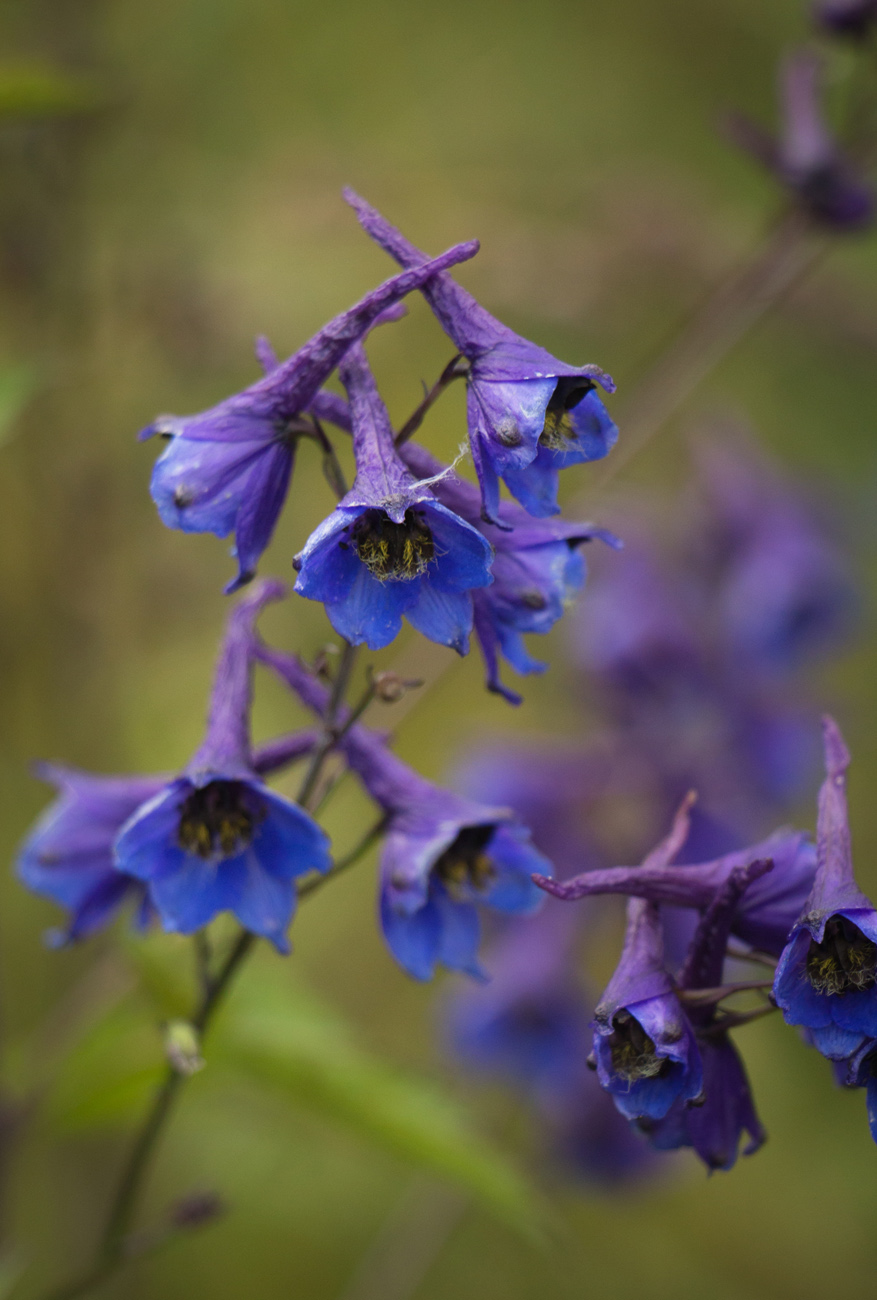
x=196, y=1210
x=390, y=687
x=182, y=1047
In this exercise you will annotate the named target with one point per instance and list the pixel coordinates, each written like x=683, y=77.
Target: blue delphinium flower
x=806, y=158
x=68, y=856
x=537, y=570
x=644, y=1047
x=826, y=979
x=217, y=838
x=390, y=547
x=529, y=414
x=715, y=1127
x=443, y=856
x=228, y=468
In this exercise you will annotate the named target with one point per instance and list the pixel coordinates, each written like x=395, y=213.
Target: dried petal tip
x=196, y=1210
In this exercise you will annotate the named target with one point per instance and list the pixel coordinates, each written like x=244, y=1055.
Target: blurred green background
x=169, y=188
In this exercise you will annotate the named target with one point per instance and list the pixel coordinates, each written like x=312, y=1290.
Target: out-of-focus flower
x=537, y=570
x=852, y=18
x=529, y=414
x=806, y=159
x=826, y=979
x=228, y=468
x=391, y=548
x=443, y=857
x=715, y=1128
x=644, y=1048
x=860, y=1071
x=217, y=838
x=68, y=856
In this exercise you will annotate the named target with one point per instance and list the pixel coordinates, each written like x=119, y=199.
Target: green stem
x=330, y=732
x=455, y=369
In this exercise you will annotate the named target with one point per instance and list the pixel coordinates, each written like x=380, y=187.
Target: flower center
x=216, y=820
x=393, y=551
x=465, y=865
x=844, y=961
x=633, y=1052
x=558, y=432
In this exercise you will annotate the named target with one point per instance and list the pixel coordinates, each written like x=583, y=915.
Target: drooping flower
x=529, y=414
x=391, y=547
x=714, y=1128
x=68, y=856
x=444, y=857
x=227, y=469
x=766, y=911
x=806, y=159
x=644, y=1047
x=217, y=838
x=826, y=979
x=537, y=570
x=851, y=18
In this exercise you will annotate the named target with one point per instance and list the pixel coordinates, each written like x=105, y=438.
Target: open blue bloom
x=714, y=1127
x=444, y=857
x=390, y=547
x=228, y=468
x=806, y=159
x=68, y=856
x=851, y=18
x=217, y=838
x=643, y=1043
x=529, y=414
x=826, y=979
x=537, y=570
x=765, y=912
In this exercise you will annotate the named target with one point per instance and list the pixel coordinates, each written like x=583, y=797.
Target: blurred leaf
x=31, y=91
x=296, y=1044
x=17, y=386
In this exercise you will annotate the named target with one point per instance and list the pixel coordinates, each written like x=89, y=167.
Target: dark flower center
x=558, y=432
x=218, y=820
x=844, y=961
x=398, y=551
x=466, y=864
x=633, y=1052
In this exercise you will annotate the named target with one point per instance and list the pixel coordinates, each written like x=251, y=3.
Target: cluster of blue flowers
x=410, y=538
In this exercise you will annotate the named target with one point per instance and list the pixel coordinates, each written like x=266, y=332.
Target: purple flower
x=537, y=570
x=529, y=414
x=68, y=856
x=826, y=979
x=766, y=911
x=228, y=468
x=852, y=18
x=391, y=548
x=644, y=1047
x=806, y=159
x=217, y=838
x=714, y=1128
x=444, y=857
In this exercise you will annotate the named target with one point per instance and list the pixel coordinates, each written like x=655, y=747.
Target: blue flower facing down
x=537, y=570
x=217, y=838
x=68, y=856
x=644, y=1047
x=529, y=414
x=228, y=469
x=826, y=979
x=444, y=857
x=391, y=548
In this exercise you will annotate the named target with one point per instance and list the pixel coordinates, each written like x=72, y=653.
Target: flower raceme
x=529, y=414
x=391, y=548
x=444, y=857
x=217, y=838
x=227, y=469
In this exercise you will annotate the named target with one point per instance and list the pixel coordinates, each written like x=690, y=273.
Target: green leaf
x=295, y=1044
x=33, y=91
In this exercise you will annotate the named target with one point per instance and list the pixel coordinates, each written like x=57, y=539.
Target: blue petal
x=596, y=433
x=329, y=563
x=189, y=897
x=198, y=486
x=463, y=555
x=512, y=645
x=372, y=610
x=263, y=902
x=872, y=1106
x=288, y=842
x=443, y=616
x=835, y=1043
x=515, y=860
x=536, y=485
x=459, y=935
x=856, y=1011
x=267, y=487
x=147, y=844
x=413, y=940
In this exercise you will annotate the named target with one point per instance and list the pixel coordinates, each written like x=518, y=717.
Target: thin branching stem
x=457, y=368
